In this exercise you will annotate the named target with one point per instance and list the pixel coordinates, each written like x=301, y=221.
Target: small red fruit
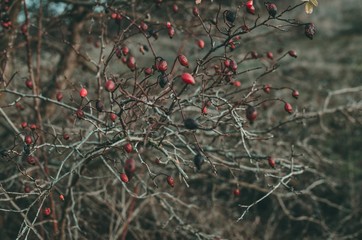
x=271, y=162
x=83, y=93
x=295, y=94
x=195, y=11
x=131, y=63
x=288, y=107
x=251, y=9
x=201, y=43
x=272, y=9
x=47, y=211
x=162, y=66
x=175, y=8
x=236, y=192
x=270, y=55
x=170, y=181
x=110, y=86
x=61, y=197
x=29, y=83
x=188, y=78
x=168, y=25
x=171, y=32
x=33, y=126
x=124, y=177
x=113, y=117
x=267, y=88
x=31, y=160
x=148, y=71
x=251, y=113
x=28, y=140
x=233, y=65
x=144, y=26
x=66, y=136
x=24, y=124
x=183, y=60
x=204, y=110
x=27, y=189
x=125, y=51
x=80, y=114
x=59, y=96
x=292, y=53
x=237, y=83
x=249, y=4
x=114, y=15
x=130, y=166
x=128, y=147
x=227, y=63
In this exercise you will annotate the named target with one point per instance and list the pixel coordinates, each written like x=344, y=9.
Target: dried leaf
x=309, y=8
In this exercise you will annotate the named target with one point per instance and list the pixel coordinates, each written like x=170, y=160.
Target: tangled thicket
x=149, y=152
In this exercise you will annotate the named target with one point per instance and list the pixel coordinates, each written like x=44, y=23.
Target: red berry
x=188, y=78
x=124, y=59
x=47, y=211
x=110, y=86
x=195, y=11
x=272, y=9
x=125, y=51
x=124, y=177
x=168, y=25
x=237, y=83
x=227, y=63
x=24, y=124
x=175, y=8
x=201, y=43
x=80, y=114
x=61, y=197
x=130, y=166
x=295, y=94
x=288, y=107
x=33, y=126
x=28, y=140
x=162, y=66
x=249, y=4
x=66, y=136
x=292, y=53
x=204, y=110
x=171, y=32
x=131, y=63
x=114, y=15
x=113, y=117
x=251, y=113
x=269, y=55
x=267, y=88
x=148, y=71
x=271, y=162
x=27, y=189
x=128, y=147
x=83, y=92
x=233, y=65
x=170, y=181
x=251, y=9
x=31, y=160
x=144, y=26
x=59, y=96
x=236, y=192
x=183, y=60
x=29, y=83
